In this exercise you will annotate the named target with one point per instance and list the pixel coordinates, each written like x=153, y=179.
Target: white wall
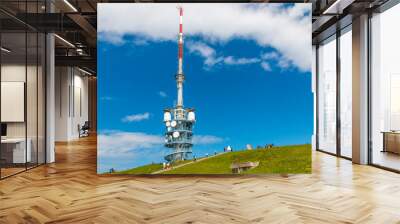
x=80, y=110
x=12, y=73
x=13, y=101
x=71, y=102
x=62, y=82
x=17, y=73
x=33, y=126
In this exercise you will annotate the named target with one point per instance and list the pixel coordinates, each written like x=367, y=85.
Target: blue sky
x=244, y=91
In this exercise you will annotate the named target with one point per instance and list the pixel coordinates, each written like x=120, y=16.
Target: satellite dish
x=173, y=124
x=167, y=123
x=175, y=134
x=167, y=116
x=191, y=116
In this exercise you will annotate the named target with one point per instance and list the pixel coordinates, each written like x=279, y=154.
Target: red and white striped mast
x=180, y=77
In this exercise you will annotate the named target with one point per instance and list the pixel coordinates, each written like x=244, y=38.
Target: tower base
x=178, y=156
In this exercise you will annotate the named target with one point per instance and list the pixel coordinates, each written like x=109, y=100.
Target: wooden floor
x=387, y=159
x=70, y=191
x=5, y=172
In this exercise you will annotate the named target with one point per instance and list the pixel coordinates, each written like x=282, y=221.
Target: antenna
x=180, y=77
x=180, y=40
x=179, y=121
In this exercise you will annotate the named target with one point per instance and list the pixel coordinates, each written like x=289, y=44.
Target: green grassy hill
x=146, y=169
x=285, y=159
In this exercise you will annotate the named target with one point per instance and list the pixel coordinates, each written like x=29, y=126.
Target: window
x=385, y=89
x=327, y=96
x=346, y=92
x=22, y=88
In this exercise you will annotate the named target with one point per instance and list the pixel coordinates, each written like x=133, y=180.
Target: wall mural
x=204, y=88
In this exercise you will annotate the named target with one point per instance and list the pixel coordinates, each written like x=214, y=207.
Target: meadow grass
x=146, y=169
x=285, y=159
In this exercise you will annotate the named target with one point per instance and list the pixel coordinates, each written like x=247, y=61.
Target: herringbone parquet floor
x=69, y=191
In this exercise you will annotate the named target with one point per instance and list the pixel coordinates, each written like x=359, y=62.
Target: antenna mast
x=180, y=77
x=179, y=121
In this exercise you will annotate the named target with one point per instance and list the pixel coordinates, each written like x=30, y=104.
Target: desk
x=391, y=141
x=13, y=150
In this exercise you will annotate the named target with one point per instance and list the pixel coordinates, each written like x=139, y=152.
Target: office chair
x=84, y=130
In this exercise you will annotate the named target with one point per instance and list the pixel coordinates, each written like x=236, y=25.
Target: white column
x=360, y=90
x=314, y=92
x=63, y=101
x=50, y=99
x=50, y=92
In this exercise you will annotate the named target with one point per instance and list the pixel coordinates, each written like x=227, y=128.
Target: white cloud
x=284, y=28
x=119, y=143
x=265, y=66
x=206, y=139
x=205, y=51
x=136, y=117
x=111, y=37
x=230, y=60
x=270, y=55
x=114, y=143
x=282, y=62
x=162, y=94
x=210, y=56
x=140, y=42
